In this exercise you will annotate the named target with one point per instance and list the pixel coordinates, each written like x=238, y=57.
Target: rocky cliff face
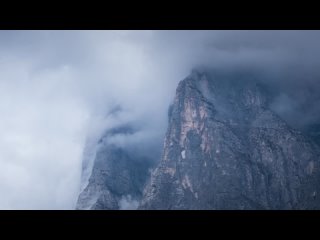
x=118, y=175
x=225, y=149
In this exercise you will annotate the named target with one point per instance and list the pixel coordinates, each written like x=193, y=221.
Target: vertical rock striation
x=225, y=149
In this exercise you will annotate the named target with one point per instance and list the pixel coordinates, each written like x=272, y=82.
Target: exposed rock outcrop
x=118, y=176
x=225, y=149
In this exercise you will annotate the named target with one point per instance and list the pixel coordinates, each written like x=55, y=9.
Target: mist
x=59, y=91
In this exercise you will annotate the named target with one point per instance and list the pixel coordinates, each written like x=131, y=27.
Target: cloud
x=127, y=203
x=57, y=89
x=42, y=130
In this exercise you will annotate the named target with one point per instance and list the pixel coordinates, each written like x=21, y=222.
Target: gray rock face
x=225, y=149
x=118, y=176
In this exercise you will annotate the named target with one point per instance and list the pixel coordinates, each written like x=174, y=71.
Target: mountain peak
x=225, y=149
x=197, y=74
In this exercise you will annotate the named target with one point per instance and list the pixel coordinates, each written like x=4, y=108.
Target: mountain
x=118, y=174
x=226, y=149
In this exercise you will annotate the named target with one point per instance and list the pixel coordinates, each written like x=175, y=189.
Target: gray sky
x=56, y=88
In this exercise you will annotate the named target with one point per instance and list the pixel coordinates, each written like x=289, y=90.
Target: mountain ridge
x=224, y=148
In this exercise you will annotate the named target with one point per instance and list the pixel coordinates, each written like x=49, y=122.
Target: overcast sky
x=57, y=87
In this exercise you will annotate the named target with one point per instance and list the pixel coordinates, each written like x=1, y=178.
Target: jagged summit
x=118, y=175
x=225, y=149
x=196, y=74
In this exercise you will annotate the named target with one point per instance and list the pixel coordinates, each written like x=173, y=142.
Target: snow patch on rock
x=183, y=154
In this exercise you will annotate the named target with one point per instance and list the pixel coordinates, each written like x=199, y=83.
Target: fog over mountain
x=62, y=91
